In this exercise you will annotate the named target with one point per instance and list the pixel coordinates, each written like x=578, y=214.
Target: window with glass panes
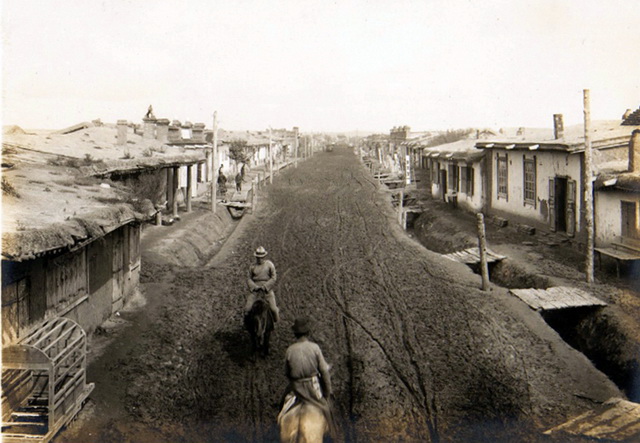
x=453, y=177
x=503, y=177
x=530, y=180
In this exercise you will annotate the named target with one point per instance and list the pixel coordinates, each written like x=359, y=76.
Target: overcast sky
x=319, y=65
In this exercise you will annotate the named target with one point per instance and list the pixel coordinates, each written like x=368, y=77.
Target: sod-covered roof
x=56, y=188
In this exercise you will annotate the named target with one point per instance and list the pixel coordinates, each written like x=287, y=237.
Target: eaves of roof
x=625, y=182
x=557, y=145
x=68, y=235
x=141, y=164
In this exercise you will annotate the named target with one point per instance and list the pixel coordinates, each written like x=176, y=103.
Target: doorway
x=561, y=204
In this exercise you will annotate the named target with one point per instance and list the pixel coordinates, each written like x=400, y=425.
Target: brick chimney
x=197, y=132
x=149, y=127
x=162, y=130
x=558, y=126
x=634, y=151
x=122, y=126
x=174, y=131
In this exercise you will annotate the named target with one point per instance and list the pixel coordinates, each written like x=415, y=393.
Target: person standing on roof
x=262, y=278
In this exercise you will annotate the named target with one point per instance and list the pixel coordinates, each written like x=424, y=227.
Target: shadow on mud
x=236, y=344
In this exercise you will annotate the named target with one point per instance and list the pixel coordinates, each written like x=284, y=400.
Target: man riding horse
x=306, y=408
x=262, y=278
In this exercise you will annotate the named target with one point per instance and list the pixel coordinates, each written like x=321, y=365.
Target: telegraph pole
x=270, y=159
x=214, y=179
x=588, y=186
x=482, y=252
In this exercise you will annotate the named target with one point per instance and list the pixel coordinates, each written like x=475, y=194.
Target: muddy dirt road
x=418, y=352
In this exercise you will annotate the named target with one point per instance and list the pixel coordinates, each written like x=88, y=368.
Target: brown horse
x=302, y=423
x=259, y=324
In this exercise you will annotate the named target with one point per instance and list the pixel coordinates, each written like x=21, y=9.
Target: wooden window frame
x=529, y=187
x=502, y=180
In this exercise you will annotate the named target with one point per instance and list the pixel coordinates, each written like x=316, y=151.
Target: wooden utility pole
x=588, y=186
x=270, y=159
x=482, y=250
x=400, y=208
x=189, y=188
x=214, y=156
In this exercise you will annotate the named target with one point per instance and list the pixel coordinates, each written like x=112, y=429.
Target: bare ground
x=419, y=353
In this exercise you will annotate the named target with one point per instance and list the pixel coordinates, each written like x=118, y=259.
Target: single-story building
x=617, y=200
x=455, y=172
x=536, y=177
x=73, y=205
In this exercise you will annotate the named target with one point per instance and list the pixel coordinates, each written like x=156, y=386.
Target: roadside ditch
x=607, y=335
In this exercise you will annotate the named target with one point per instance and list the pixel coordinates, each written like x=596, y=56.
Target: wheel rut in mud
x=418, y=352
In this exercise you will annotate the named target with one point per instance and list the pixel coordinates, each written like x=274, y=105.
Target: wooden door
x=629, y=220
x=552, y=204
x=571, y=207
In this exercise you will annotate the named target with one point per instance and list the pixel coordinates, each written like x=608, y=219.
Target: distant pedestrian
x=239, y=181
x=222, y=183
x=242, y=170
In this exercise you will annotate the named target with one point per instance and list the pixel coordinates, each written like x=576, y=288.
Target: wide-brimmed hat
x=301, y=326
x=260, y=252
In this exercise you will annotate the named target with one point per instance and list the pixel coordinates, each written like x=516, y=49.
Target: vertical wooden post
x=214, y=168
x=189, y=187
x=270, y=159
x=169, y=187
x=482, y=249
x=400, y=208
x=588, y=187
x=176, y=189
x=159, y=217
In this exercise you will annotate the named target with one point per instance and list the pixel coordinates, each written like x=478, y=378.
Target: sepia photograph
x=306, y=221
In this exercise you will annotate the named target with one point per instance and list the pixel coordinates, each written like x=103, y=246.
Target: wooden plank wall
x=65, y=280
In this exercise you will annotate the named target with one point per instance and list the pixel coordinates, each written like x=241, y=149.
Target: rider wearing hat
x=262, y=277
x=308, y=374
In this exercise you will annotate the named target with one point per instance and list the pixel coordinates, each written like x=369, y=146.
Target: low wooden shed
x=44, y=381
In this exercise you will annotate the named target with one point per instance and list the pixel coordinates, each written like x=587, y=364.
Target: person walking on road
x=262, y=278
x=239, y=181
x=222, y=183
